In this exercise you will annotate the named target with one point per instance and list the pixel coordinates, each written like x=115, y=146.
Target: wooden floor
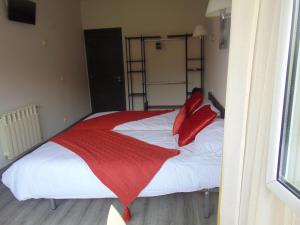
x=177, y=209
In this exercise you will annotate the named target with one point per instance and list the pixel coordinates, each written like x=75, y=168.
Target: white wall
x=53, y=76
x=144, y=17
x=154, y=18
x=216, y=64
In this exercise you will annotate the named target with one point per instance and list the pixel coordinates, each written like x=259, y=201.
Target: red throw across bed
x=124, y=164
x=109, y=121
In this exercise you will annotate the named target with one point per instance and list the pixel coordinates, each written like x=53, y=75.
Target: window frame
x=282, y=189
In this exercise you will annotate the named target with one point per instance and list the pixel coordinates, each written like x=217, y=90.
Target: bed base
x=53, y=204
x=207, y=205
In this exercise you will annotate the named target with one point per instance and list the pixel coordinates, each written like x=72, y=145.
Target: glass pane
x=292, y=168
x=289, y=172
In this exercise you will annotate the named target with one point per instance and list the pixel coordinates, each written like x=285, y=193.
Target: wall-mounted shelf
x=136, y=71
x=137, y=94
x=135, y=61
x=166, y=83
x=195, y=70
x=195, y=59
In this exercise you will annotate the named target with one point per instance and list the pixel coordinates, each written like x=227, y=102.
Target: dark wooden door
x=104, y=52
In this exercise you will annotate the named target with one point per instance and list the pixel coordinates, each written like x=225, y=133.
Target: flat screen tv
x=21, y=11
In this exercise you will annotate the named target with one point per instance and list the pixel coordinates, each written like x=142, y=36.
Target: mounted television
x=21, y=11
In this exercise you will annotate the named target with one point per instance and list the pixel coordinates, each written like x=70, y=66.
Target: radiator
x=19, y=131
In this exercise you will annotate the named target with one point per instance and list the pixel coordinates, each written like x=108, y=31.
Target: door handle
x=119, y=79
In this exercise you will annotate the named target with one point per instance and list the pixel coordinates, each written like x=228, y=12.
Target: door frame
x=245, y=197
x=244, y=19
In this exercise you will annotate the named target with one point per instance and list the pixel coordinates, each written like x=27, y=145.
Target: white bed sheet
x=53, y=171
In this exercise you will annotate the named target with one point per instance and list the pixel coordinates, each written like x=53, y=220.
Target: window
x=289, y=169
x=284, y=157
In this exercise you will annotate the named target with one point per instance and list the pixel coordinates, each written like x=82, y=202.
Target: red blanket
x=108, y=122
x=124, y=164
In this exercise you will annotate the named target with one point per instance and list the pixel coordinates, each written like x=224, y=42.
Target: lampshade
x=199, y=31
x=215, y=6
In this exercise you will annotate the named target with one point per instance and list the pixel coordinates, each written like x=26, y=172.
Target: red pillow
x=193, y=103
x=195, y=123
x=179, y=120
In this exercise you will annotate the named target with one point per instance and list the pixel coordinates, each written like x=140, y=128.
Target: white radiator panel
x=19, y=131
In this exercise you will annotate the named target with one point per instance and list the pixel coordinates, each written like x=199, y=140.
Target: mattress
x=54, y=172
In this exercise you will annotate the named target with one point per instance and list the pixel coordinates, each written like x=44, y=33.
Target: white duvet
x=53, y=171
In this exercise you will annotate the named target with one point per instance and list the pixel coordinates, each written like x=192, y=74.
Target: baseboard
x=2, y=170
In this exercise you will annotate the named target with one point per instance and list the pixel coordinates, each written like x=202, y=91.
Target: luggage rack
x=142, y=72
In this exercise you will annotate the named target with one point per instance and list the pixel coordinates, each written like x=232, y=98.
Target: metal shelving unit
x=188, y=59
x=143, y=73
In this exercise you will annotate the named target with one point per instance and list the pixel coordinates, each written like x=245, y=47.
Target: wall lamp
x=200, y=31
x=221, y=9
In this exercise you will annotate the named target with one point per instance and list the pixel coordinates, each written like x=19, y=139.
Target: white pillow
x=211, y=138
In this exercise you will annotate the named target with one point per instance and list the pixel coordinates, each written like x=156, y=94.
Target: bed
x=198, y=167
